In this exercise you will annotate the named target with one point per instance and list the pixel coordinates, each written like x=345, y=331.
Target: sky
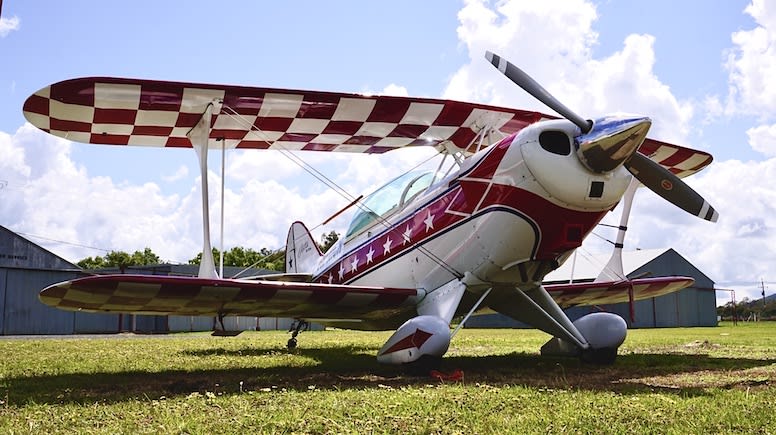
x=701, y=69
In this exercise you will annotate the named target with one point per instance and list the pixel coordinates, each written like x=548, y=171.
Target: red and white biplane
x=429, y=246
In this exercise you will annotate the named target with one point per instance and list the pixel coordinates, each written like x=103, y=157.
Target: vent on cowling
x=555, y=142
x=596, y=189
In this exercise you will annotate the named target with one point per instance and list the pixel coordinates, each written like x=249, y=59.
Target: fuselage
x=509, y=215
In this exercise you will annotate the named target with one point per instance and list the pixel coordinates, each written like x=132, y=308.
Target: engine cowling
x=420, y=336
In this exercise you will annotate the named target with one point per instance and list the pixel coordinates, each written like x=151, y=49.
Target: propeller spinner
x=613, y=141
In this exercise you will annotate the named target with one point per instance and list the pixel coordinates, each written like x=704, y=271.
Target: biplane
x=522, y=191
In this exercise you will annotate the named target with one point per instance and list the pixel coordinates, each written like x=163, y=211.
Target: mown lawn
x=687, y=380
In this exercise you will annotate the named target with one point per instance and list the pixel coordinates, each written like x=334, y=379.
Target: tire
x=604, y=356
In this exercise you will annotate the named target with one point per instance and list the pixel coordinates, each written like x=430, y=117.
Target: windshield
x=389, y=199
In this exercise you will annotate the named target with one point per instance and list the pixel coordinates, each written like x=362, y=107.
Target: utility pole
x=762, y=286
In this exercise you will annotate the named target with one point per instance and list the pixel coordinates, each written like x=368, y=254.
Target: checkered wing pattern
x=117, y=111
x=155, y=294
x=681, y=161
x=598, y=293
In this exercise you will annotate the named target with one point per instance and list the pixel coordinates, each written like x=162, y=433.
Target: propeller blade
x=663, y=182
x=520, y=78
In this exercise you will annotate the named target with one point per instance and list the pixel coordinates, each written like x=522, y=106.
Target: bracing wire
x=332, y=184
x=34, y=236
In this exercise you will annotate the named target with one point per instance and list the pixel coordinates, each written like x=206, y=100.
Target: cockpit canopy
x=389, y=199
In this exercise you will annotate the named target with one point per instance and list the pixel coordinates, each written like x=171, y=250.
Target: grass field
x=689, y=380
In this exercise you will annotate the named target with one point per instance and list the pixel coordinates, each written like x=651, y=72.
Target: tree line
x=238, y=256
x=764, y=309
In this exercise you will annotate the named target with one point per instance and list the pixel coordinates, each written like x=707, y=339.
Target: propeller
x=663, y=182
x=620, y=146
x=537, y=91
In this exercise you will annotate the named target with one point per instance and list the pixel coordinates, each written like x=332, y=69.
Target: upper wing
x=679, y=160
x=614, y=292
x=155, y=294
x=117, y=111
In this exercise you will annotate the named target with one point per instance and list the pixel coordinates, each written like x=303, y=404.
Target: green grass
x=686, y=380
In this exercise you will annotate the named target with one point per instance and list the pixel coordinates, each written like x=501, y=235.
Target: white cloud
x=552, y=41
x=391, y=89
x=179, y=174
x=395, y=90
x=7, y=25
x=752, y=64
x=537, y=31
x=763, y=139
x=713, y=108
x=61, y=201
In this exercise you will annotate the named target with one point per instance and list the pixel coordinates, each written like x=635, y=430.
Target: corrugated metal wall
x=22, y=312
x=693, y=306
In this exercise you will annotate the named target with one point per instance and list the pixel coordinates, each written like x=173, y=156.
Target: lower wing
x=613, y=292
x=173, y=295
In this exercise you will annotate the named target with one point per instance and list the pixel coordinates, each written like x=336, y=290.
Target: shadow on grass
x=252, y=351
x=347, y=367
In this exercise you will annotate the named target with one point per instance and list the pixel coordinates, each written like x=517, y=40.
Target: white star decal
x=369, y=255
x=342, y=270
x=429, y=221
x=387, y=246
x=406, y=235
x=354, y=264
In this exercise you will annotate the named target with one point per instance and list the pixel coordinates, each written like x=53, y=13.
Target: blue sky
x=695, y=66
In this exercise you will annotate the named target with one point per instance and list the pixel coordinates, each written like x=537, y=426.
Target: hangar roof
x=19, y=252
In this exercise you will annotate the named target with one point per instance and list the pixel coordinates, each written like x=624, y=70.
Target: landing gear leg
x=298, y=326
x=219, y=329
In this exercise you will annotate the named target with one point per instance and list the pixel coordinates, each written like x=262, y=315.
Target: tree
x=120, y=259
x=764, y=309
x=247, y=257
x=328, y=240
x=147, y=256
x=92, y=263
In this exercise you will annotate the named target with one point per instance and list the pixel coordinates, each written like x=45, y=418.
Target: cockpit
x=389, y=199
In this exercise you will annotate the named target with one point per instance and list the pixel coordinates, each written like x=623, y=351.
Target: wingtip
x=53, y=294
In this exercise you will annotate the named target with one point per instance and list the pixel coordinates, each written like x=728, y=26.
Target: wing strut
x=199, y=136
x=221, y=237
x=613, y=271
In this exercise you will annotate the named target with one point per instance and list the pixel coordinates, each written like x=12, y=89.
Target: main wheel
x=604, y=356
x=291, y=343
x=423, y=365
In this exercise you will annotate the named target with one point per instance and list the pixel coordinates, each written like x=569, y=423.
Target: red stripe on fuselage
x=554, y=224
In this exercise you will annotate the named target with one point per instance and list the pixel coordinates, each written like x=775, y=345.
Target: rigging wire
x=232, y=113
x=35, y=236
x=603, y=238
